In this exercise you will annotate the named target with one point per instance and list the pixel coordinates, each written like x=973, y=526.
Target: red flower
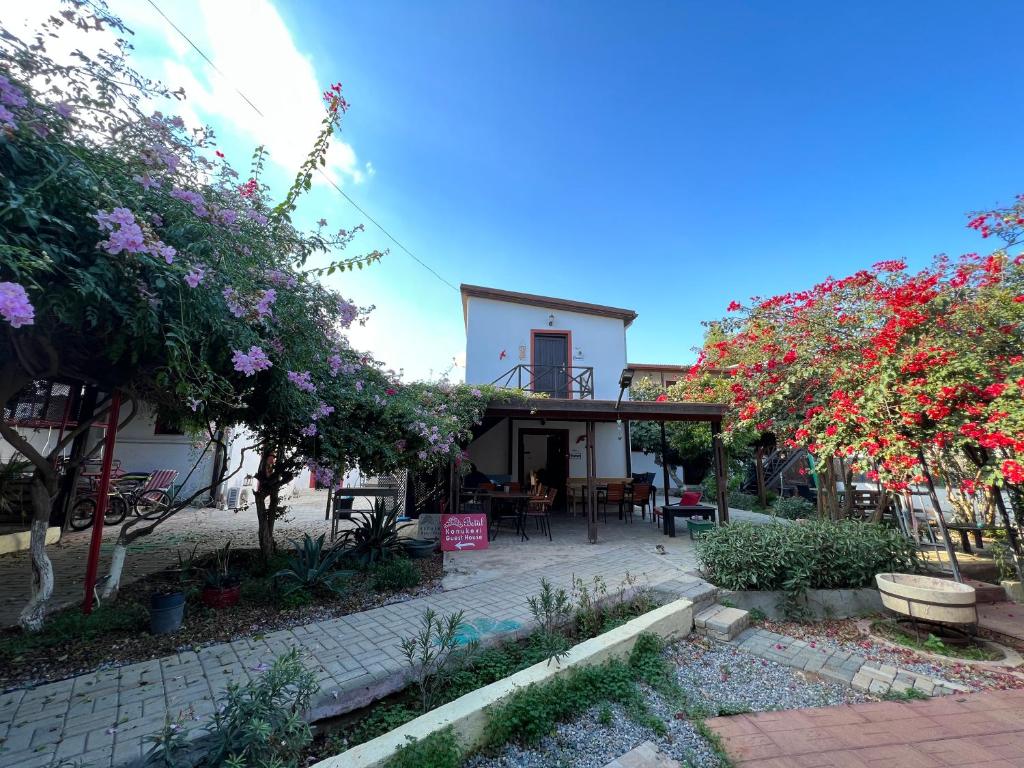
x=219, y=153
x=661, y=398
x=1012, y=472
x=734, y=306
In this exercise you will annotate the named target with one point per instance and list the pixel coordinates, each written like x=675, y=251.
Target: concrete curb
x=467, y=715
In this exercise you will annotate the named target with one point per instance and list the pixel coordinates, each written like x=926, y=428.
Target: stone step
x=987, y=593
x=644, y=756
x=721, y=623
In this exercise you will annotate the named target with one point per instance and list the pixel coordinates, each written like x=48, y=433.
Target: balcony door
x=551, y=363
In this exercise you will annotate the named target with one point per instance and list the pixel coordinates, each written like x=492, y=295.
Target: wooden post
x=591, y=485
x=762, y=492
x=939, y=519
x=664, y=463
x=721, y=472
x=1011, y=532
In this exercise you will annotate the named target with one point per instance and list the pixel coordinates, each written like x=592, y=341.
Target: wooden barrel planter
x=927, y=598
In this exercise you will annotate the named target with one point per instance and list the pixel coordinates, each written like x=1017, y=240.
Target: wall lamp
x=625, y=380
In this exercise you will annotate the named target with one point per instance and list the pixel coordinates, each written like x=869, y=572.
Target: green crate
x=698, y=528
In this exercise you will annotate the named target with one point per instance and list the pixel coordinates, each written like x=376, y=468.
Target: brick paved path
x=102, y=718
x=984, y=730
x=843, y=666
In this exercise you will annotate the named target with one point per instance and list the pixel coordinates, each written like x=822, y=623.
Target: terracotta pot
x=220, y=597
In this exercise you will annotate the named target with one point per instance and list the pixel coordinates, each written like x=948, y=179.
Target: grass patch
x=105, y=619
x=439, y=750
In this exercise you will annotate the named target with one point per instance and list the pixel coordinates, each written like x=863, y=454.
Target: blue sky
x=666, y=157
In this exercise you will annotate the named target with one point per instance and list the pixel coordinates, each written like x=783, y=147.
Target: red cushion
x=690, y=498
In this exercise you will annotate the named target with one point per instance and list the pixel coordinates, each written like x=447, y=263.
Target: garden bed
x=712, y=679
x=848, y=634
x=592, y=611
x=117, y=632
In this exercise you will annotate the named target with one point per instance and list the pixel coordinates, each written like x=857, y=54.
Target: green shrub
x=438, y=750
x=531, y=713
x=259, y=724
x=374, y=537
x=817, y=554
x=434, y=653
x=741, y=500
x=793, y=508
x=311, y=568
x=395, y=575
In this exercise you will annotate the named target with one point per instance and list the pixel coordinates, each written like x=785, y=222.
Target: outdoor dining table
x=670, y=512
x=519, y=500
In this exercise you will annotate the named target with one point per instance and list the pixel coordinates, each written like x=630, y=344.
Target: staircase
x=775, y=465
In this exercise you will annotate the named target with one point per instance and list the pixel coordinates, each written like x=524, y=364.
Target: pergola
x=593, y=411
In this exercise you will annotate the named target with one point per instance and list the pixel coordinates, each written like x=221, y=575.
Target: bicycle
x=83, y=511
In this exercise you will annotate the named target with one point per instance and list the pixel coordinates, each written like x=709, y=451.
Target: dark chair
x=539, y=509
x=616, y=494
x=641, y=498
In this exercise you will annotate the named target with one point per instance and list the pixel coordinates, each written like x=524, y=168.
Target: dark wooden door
x=551, y=364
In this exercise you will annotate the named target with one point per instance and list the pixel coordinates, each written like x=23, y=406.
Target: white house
x=575, y=353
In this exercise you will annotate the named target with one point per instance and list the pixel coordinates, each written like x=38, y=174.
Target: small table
x=964, y=529
x=670, y=512
x=517, y=498
x=331, y=512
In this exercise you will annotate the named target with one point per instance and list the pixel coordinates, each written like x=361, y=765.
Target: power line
x=329, y=180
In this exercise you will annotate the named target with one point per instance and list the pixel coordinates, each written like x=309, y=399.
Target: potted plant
x=166, y=610
x=222, y=588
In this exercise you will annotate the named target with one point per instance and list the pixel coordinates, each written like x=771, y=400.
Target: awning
x=607, y=410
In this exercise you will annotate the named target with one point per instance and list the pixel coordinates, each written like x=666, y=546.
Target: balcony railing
x=569, y=381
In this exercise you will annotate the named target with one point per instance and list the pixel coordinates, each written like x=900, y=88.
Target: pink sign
x=462, y=532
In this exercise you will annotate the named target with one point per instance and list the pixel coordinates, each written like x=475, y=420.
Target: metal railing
x=575, y=382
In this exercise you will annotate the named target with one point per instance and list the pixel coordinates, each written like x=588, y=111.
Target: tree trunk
x=113, y=582
x=42, y=491
x=1011, y=531
x=265, y=513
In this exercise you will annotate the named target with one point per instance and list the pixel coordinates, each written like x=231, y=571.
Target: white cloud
x=251, y=45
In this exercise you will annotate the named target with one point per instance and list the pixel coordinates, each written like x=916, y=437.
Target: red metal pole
x=93, y=564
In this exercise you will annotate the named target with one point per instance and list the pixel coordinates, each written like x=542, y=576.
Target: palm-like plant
x=311, y=567
x=375, y=536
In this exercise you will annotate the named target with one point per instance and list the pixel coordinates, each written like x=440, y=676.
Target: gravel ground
x=712, y=675
x=845, y=635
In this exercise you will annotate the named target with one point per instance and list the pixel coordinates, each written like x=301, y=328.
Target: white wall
x=140, y=449
x=490, y=452
x=494, y=326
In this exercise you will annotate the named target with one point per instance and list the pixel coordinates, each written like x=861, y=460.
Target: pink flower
x=334, y=361
x=265, y=302
x=302, y=380
x=323, y=409
x=196, y=275
x=125, y=233
x=252, y=361
x=15, y=307
x=347, y=312
x=234, y=305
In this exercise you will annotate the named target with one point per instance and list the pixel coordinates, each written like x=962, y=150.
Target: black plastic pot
x=166, y=612
x=419, y=549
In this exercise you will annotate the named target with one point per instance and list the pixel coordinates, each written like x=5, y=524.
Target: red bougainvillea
x=885, y=366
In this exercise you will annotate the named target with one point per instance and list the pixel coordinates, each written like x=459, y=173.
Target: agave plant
x=311, y=567
x=375, y=536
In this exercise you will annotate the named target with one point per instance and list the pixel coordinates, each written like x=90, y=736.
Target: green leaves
x=815, y=554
